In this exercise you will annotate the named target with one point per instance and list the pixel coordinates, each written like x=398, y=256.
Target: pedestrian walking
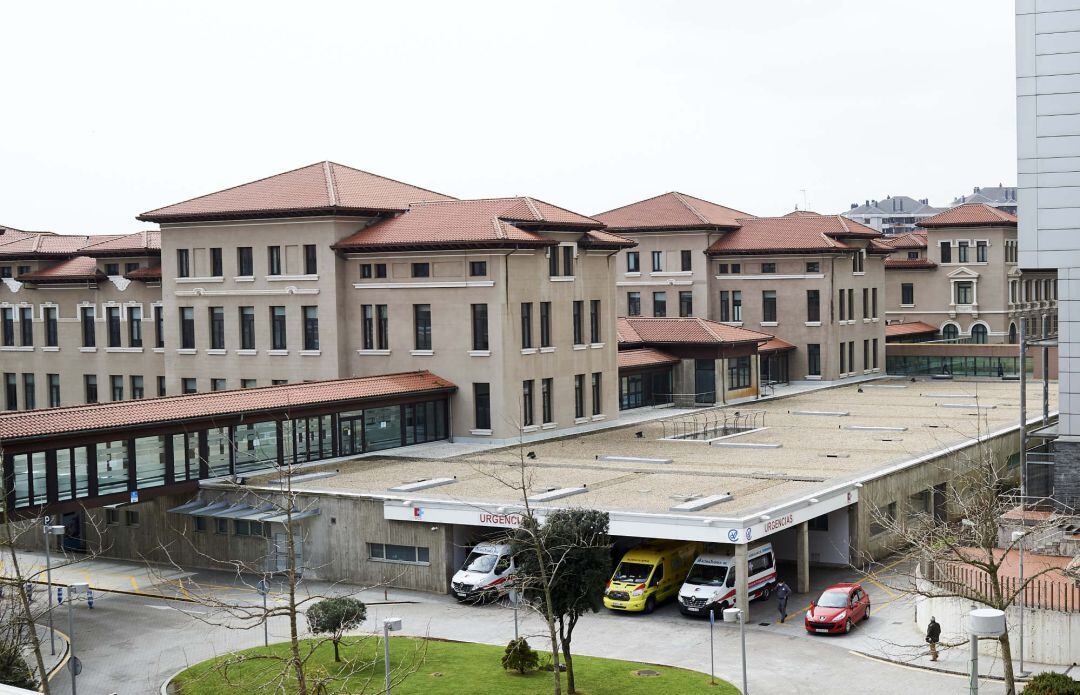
x=783, y=591
x=933, y=636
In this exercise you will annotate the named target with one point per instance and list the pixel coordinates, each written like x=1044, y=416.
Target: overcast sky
x=110, y=109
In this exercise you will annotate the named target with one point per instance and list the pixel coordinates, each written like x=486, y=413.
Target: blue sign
x=748, y=532
x=733, y=535
x=134, y=496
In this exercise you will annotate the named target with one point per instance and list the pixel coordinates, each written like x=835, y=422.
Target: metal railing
x=1058, y=594
x=712, y=423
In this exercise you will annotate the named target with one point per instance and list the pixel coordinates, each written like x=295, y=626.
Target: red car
x=838, y=609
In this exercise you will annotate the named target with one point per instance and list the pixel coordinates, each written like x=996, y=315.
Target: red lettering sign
x=774, y=524
x=500, y=519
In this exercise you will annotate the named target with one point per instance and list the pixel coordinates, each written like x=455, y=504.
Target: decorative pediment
x=963, y=273
x=1014, y=272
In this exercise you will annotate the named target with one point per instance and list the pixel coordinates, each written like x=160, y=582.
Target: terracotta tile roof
x=601, y=239
x=637, y=330
x=494, y=222
x=138, y=243
x=671, y=211
x=803, y=213
x=776, y=345
x=37, y=423
x=909, y=264
x=897, y=330
x=75, y=269
x=644, y=357
x=909, y=241
x=970, y=215
x=150, y=272
x=40, y=245
x=796, y=234
x=323, y=188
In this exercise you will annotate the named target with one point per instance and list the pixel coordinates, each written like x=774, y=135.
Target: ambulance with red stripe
x=710, y=586
x=485, y=574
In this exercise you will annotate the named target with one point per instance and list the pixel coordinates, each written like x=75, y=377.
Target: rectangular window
x=873, y=302
x=685, y=261
x=527, y=403
x=633, y=262
x=597, y=394
x=851, y=355
x=553, y=261
x=768, y=305
x=159, y=326
x=247, y=328
x=526, y=325
x=112, y=269
x=913, y=255
x=54, y=389
x=90, y=388
x=116, y=387
x=813, y=305
x=217, y=328
x=594, y=320
x=187, y=385
x=380, y=270
x=86, y=314
x=813, y=359
x=478, y=269
x=248, y=383
x=112, y=323
x=722, y=269
x=216, y=267
x=11, y=391
x=365, y=271
x=422, y=326
x=657, y=261
x=866, y=302
x=5, y=271
x=568, y=261
x=161, y=390
x=946, y=251
x=843, y=359
x=134, y=317
x=217, y=384
x=736, y=305
x=311, y=263
x=29, y=392
x=980, y=252
x=479, y=327
x=866, y=354
x=112, y=517
x=382, y=326
x=965, y=292
x=137, y=390
x=545, y=324
x=273, y=260
x=187, y=328
x=52, y=337
x=857, y=262
x=421, y=270
x=367, y=327
x=633, y=304
x=26, y=326
x=546, y=409
x=398, y=553
x=738, y=373
x=579, y=327
x=311, y=327
x=725, y=307
x=245, y=265
x=813, y=267
x=961, y=252
x=874, y=354
x=24, y=269
x=907, y=293
x=768, y=267
x=659, y=303
x=686, y=304
x=579, y=396
x=482, y=406
x=183, y=263
x=277, y=328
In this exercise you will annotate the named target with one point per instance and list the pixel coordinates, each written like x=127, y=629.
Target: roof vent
x=558, y=493
x=701, y=503
x=632, y=459
x=826, y=413
x=422, y=484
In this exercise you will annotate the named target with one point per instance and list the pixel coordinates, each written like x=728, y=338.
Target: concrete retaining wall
x=1050, y=637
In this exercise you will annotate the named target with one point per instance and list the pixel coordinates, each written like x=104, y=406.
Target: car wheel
x=848, y=626
x=650, y=604
x=765, y=592
x=866, y=615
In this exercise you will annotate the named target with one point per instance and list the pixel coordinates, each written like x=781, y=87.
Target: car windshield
x=480, y=562
x=707, y=575
x=632, y=572
x=833, y=599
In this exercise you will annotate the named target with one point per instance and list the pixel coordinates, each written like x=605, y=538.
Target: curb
x=168, y=681
x=1001, y=679
x=63, y=661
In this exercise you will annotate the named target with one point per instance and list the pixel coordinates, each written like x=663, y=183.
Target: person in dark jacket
x=783, y=591
x=933, y=636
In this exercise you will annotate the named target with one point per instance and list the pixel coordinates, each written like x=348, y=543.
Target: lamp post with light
x=48, y=531
x=388, y=625
x=732, y=615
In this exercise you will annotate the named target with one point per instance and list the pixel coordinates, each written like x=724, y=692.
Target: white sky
x=110, y=109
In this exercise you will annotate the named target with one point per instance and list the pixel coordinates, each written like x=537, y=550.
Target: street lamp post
x=263, y=587
x=388, y=625
x=1018, y=538
x=48, y=531
x=75, y=591
x=982, y=622
x=732, y=615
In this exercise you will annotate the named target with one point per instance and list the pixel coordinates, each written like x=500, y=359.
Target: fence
x=712, y=423
x=1053, y=594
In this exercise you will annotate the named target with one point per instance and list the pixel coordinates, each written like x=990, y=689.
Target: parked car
x=649, y=575
x=485, y=574
x=711, y=583
x=838, y=609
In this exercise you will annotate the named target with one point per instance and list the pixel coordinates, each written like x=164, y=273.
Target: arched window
x=950, y=332
x=978, y=333
x=1013, y=337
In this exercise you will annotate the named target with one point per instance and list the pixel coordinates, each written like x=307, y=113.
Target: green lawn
x=443, y=668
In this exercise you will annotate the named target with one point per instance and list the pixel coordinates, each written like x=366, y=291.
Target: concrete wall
x=1050, y=637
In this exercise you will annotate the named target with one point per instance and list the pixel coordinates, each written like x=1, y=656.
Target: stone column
x=742, y=592
x=802, y=558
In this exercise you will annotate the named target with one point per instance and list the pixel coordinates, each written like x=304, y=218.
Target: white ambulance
x=710, y=585
x=485, y=574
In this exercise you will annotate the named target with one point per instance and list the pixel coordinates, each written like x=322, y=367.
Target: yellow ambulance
x=650, y=574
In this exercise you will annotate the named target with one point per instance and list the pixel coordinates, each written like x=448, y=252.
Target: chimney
x=976, y=189
x=853, y=206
